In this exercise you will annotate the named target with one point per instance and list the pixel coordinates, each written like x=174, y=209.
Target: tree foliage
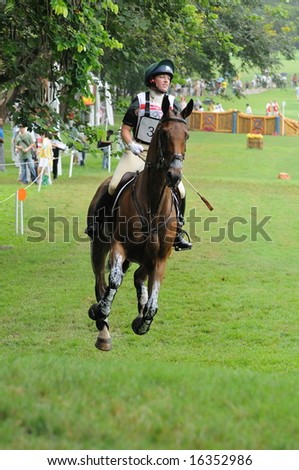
x=57, y=41
x=65, y=41
x=203, y=38
x=284, y=16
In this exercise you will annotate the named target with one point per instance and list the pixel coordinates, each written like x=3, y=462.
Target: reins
x=146, y=217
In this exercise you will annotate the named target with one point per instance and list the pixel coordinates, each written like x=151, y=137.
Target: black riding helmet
x=164, y=66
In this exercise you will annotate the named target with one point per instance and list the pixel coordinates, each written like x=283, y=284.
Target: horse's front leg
x=103, y=309
x=142, y=323
x=140, y=277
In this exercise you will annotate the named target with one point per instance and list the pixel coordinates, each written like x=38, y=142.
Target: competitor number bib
x=146, y=129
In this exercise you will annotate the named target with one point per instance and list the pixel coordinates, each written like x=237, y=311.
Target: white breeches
x=128, y=162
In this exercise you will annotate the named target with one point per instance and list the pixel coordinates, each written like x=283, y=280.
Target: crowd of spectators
x=35, y=153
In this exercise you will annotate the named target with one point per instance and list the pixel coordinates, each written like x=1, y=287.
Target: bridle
x=177, y=158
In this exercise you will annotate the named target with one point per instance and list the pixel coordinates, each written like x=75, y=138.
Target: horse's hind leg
x=103, y=309
x=99, y=252
x=141, y=324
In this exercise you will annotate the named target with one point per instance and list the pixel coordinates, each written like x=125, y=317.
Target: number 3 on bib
x=146, y=129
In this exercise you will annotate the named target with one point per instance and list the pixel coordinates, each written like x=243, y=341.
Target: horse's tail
x=95, y=205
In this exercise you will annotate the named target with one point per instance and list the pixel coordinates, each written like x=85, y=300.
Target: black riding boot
x=101, y=212
x=180, y=243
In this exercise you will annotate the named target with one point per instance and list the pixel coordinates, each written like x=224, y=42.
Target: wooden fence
x=236, y=122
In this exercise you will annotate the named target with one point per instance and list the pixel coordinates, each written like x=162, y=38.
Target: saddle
x=103, y=204
x=126, y=180
x=100, y=215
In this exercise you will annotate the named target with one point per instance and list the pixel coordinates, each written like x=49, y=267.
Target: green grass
x=258, y=101
x=219, y=367
x=160, y=406
x=287, y=66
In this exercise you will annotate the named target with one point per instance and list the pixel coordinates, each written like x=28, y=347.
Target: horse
x=143, y=229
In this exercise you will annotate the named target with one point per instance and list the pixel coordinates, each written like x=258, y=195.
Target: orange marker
x=20, y=196
x=22, y=193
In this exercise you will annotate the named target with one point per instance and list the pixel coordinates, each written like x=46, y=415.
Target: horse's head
x=171, y=142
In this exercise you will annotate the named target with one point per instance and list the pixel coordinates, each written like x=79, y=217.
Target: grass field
x=219, y=367
x=259, y=100
x=288, y=67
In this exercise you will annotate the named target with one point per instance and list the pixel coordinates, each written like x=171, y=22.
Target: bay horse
x=143, y=229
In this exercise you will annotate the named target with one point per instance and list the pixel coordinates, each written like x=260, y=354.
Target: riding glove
x=137, y=149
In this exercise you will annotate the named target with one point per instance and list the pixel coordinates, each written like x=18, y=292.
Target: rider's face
x=162, y=82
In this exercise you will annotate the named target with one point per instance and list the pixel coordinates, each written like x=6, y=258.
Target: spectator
x=275, y=107
x=105, y=146
x=269, y=109
x=183, y=102
x=45, y=154
x=297, y=92
x=14, y=154
x=57, y=145
x=197, y=88
x=23, y=144
x=2, y=161
x=223, y=88
x=35, y=138
x=197, y=104
x=83, y=139
x=239, y=84
x=79, y=136
x=219, y=108
x=294, y=80
x=248, y=109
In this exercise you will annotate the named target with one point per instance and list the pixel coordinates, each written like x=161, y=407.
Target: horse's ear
x=187, y=110
x=165, y=105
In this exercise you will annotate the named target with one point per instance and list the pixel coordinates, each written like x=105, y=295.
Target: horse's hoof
x=141, y=326
x=92, y=312
x=103, y=344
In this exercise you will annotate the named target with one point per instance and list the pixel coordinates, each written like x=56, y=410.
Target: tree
x=57, y=41
x=285, y=14
x=65, y=41
x=204, y=38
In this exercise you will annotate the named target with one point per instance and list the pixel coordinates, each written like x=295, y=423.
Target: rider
x=141, y=119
